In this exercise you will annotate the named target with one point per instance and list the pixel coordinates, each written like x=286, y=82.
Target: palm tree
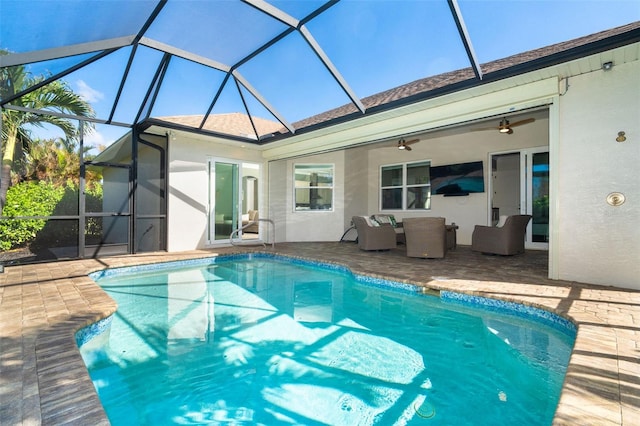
x=50, y=160
x=56, y=96
x=58, y=161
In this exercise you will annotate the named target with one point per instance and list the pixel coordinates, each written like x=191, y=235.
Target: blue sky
x=374, y=44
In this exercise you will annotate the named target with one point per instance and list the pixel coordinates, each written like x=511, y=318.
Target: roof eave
x=150, y=122
x=567, y=55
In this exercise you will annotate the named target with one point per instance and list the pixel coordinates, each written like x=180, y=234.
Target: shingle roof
x=544, y=56
x=237, y=124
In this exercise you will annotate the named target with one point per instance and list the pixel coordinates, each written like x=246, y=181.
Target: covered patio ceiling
x=261, y=71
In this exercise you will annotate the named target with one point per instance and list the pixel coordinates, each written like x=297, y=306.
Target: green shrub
x=27, y=199
x=40, y=198
x=64, y=232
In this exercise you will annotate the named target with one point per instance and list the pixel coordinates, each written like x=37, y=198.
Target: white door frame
x=526, y=156
x=211, y=161
x=526, y=189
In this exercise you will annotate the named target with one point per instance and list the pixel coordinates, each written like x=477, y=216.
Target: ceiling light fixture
x=405, y=145
x=607, y=66
x=504, y=126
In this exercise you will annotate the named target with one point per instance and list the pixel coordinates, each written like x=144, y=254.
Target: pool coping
x=530, y=312
x=44, y=380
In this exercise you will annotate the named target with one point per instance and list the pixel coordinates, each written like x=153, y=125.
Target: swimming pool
x=261, y=339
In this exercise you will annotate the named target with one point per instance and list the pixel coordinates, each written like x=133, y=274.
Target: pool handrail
x=259, y=241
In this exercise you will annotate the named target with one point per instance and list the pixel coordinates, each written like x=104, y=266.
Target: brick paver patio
x=43, y=379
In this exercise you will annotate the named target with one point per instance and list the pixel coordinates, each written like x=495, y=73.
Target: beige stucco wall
x=441, y=148
x=188, y=186
x=320, y=225
x=592, y=242
x=598, y=243
x=276, y=176
x=357, y=182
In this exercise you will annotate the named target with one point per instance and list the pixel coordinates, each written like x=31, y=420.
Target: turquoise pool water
x=262, y=340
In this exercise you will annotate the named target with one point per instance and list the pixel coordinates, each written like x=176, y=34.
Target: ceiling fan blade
x=412, y=141
x=521, y=122
x=407, y=148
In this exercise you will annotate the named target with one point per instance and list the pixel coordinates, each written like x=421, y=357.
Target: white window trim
x=332, y=187
x=404, y=186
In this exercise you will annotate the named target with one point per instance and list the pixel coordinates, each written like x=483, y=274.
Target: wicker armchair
x=506, y=240
x=370, y=237
x=425, y=237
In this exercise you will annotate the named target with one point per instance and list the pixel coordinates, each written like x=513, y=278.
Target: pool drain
x=424, y=410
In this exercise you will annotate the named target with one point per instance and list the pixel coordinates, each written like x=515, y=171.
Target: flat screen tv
x=457, y=179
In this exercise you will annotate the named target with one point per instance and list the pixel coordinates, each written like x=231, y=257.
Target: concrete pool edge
x=46, y=386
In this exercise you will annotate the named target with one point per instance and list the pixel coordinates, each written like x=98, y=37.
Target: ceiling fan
x=406, y=145
x=506, y=127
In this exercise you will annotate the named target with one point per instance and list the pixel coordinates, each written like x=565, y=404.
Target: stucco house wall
x=598, y=243
x=188, y=186
x=591, y=242
x=453, y=147
x=313, y=225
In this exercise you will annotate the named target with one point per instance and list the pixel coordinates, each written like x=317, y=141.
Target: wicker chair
x=370, y=237
x=506, y=240
x=425, y=237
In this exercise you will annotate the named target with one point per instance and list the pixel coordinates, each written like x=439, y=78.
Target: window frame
x=404, y=186
x=330, y=167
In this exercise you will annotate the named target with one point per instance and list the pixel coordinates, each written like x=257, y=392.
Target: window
x=313, y=187
x=405, y=186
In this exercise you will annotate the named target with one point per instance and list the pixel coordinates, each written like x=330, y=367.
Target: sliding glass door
x=538, y=197
x=519, y=184
x=224, y=178
x=234, y=194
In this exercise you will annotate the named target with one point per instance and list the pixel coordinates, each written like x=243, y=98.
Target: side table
x=452, y=242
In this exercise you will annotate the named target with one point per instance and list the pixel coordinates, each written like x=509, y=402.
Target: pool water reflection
x=266, y=341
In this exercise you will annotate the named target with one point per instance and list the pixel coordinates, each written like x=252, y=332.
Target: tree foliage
x=34, y=95
x=41, y=177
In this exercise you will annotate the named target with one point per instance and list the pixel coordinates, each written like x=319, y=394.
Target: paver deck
x=43, y=379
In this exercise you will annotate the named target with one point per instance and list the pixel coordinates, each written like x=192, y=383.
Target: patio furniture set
x=431, y=237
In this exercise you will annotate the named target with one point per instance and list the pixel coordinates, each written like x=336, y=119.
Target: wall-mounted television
x=457, y=179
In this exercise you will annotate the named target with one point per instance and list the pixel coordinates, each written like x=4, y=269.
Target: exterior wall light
x=616, y=199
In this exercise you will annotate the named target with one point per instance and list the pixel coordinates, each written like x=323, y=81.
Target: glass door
x=519, y=184
x=224, y=178
x=538, y=197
